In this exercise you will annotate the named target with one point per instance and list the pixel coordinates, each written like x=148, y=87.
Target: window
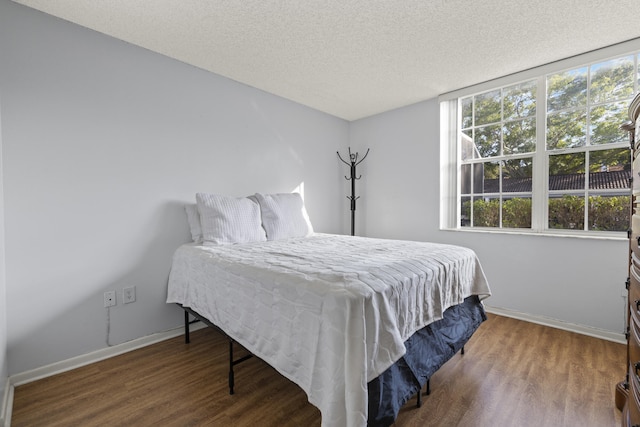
x=497, y=139
x=543, y=153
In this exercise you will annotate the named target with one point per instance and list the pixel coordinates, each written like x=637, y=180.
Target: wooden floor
x=513, y=373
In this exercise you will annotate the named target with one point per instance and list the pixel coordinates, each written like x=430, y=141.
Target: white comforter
x=329, y=312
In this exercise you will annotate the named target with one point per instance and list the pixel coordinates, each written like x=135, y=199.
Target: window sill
x=605, y=235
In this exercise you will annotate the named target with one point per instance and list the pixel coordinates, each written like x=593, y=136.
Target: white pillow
x=193, y=218
x=284, y=216
x=227, y=220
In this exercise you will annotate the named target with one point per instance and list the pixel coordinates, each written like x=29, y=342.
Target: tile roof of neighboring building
x=615, y=180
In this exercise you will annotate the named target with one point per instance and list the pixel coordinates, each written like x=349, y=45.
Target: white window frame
x=450, y=145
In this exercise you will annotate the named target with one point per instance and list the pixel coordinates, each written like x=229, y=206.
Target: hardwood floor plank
x=512, y=373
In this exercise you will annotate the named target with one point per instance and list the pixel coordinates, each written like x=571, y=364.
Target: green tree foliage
x=563, y=164
x=487, y=108
x=491, y=170
x=609, y=158
x=566, y=129
x=568, y=110
x=487, y=140
x=486, y=213
x=516, y=213
x=609, y=213
x=612, y=80
x=606, y=120
x=567, y=90
x=520, y=101
x=519, y=136
x=566, y=213
x=517, y=168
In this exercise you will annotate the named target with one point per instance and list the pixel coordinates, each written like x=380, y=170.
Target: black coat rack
x=352, y=163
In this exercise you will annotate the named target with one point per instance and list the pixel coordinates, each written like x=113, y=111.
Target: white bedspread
x=329, y=312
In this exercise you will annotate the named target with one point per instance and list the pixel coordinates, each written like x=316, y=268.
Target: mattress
x=329, y=312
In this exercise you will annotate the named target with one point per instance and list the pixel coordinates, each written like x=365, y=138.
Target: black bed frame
x=187, y=340
x=199, y=318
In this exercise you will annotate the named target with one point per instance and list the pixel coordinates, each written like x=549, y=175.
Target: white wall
x=574, y=280
x=103, y=143
x=4, y=370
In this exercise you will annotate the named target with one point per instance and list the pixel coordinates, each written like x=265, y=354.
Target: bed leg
x=462, y=350
x=186, y=327
x=419, y=403
x=231, y=379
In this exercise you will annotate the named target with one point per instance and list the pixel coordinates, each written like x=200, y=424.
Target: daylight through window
x=548, y=153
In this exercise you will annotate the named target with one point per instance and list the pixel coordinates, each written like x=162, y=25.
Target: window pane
x=609, y=213
x=486, y=212
x=466, y=106
x=566, y=172
x=516, y=176
x=465, y=179
x=519, y=136
x=487, y=178
x=566, y=130
x=612, y=79
x=478, y=178
x=467, y=148
x=516, y=212
x=520, y=100
x=566, y=212
x=465, y=211
x=610, y=169
x=487, y=140
x=605, y=123
x=567, y=89
x=487, y=107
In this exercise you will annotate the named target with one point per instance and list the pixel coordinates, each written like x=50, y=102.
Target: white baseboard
x=79, y=361
x=96, y=356
x=559, y=324
x=7, y=405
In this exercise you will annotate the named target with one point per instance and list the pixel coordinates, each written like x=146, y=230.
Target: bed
x=360, y=324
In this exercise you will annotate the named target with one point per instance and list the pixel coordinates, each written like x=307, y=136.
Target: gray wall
x=103, y=143
x=4, y=370
x=575, y=280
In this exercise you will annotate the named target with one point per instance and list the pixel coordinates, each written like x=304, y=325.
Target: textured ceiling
x=356, y=58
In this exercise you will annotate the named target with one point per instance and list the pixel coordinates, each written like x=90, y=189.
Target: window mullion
x=539, y=214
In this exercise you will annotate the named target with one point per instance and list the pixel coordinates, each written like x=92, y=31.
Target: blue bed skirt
x=427, y=350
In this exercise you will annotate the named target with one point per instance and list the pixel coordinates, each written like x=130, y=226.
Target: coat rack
x=352, y=163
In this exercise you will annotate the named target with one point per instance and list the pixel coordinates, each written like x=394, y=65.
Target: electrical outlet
x=129, y=295
x=110, y=298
